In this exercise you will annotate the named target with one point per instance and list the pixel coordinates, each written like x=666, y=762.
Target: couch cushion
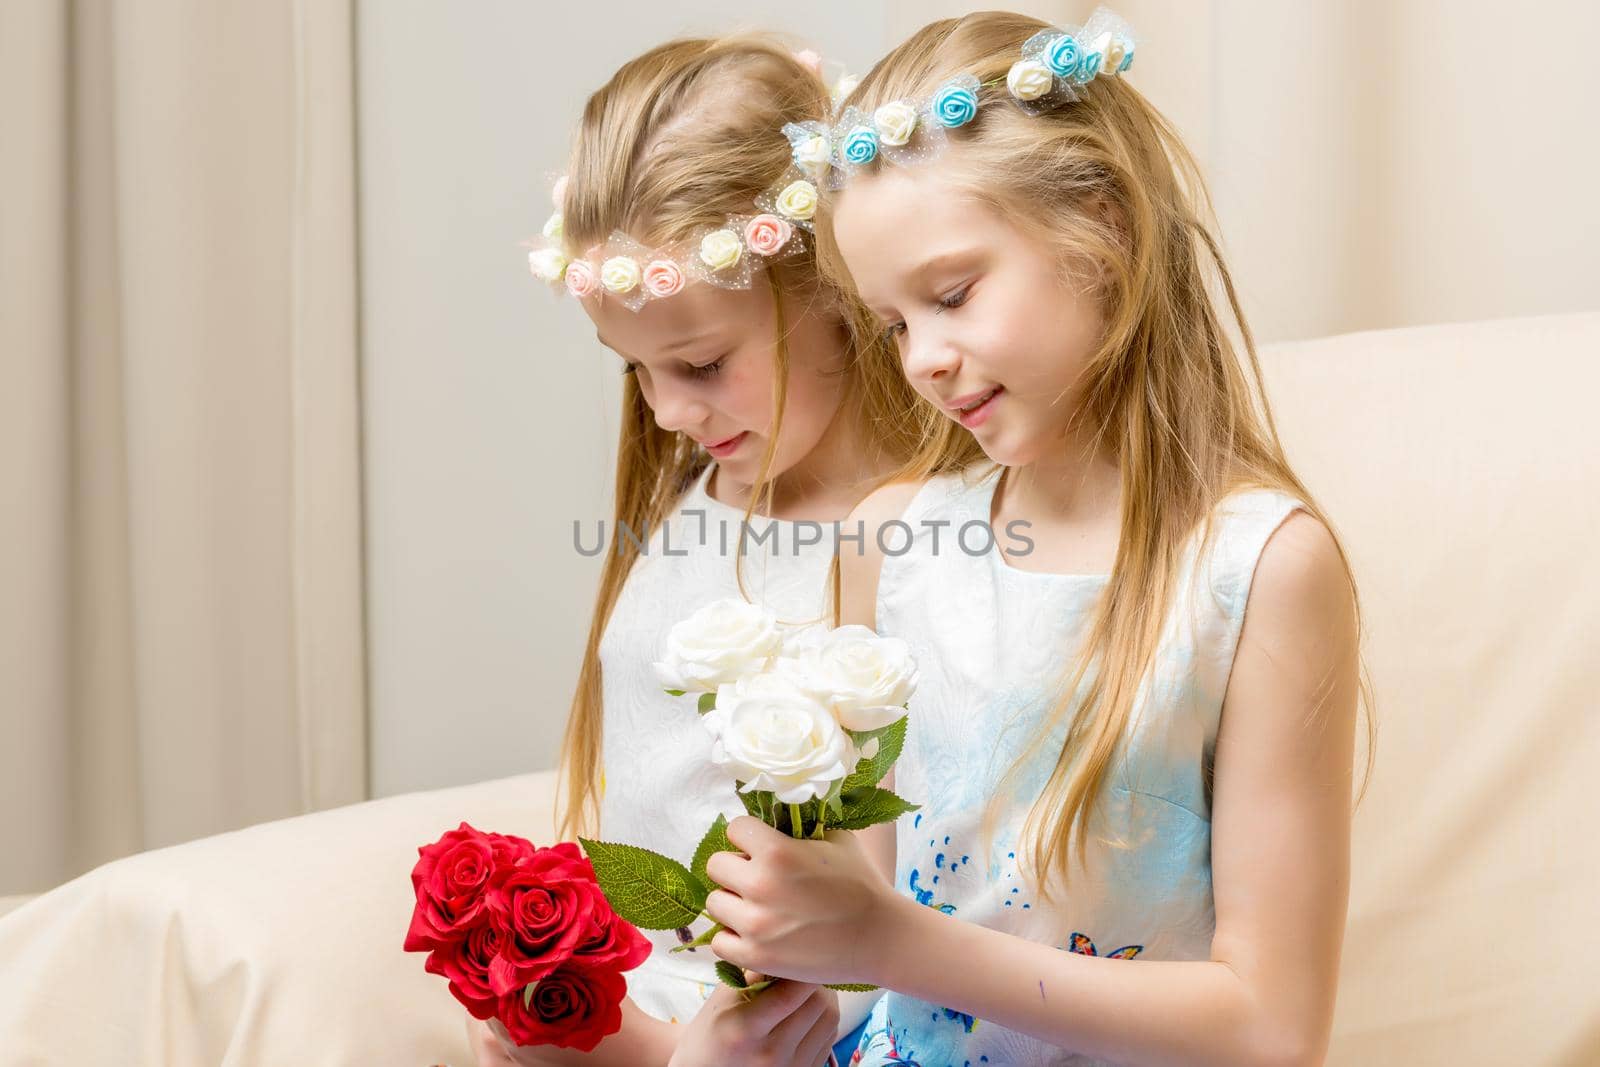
x=1461, y=465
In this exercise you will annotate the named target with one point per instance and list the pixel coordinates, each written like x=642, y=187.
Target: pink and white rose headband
x=727, y=256
x=1055, y=64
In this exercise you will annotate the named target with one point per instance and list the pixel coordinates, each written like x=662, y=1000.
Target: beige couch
x=1462, y=464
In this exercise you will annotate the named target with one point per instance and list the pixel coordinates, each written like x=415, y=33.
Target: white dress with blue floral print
x=992, y=643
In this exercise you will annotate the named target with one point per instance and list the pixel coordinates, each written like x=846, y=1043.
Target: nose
x=676, y=409
x=929, y=356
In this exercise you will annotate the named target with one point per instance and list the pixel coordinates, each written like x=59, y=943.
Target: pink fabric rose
x=662, y=278
x=580, y=278
x=767, y=234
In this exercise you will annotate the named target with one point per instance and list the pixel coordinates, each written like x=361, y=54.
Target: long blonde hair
x=683, y=136
x=1182, y=404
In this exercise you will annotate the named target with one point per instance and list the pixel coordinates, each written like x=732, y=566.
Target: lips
x=956, y=406
x=725, y=447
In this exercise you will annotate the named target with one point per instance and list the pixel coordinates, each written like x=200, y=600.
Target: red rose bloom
x=546, y=905
x=613, y=942
x=466, y=964
x=572, y=1007
x=451, y=878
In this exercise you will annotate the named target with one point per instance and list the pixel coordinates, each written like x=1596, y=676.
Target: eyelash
x=709, y=370
x=949, y=303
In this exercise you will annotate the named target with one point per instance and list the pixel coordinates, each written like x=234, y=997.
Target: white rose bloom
x=812, y=152
x=867, y=679
x=798, y=200
x=553, y=227
x=718, y=644
x=895, y=122
x=1029, y=79
x=547, y=264
x=771, y=734
x=720, y=249
x=620, y=274
x=844, y=87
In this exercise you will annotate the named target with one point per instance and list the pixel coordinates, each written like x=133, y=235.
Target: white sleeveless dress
x=992, y=642
x=661, y=790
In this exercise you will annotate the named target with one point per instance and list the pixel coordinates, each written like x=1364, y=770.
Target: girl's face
x=988, y=326
x=705, y=363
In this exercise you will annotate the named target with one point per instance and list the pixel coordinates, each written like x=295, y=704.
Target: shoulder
x=861, y=561
x=1301, y=572
x=1299, y=634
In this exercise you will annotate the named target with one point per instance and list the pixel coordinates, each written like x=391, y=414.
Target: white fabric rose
x=1029, y=79
x=620, y=274
x=554, y=227
x=865, y=678
x=813, y=152
x=798, y=200
x=895, y=122
x=720, y=249
x=718, y=644
x=547, y=264
x=771, y=734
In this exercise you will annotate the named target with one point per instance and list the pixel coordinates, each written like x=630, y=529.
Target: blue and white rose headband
x=1055, y=63
x=727, y=255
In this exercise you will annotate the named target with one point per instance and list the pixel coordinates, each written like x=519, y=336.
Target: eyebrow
x=674, y=346
x=933, y=265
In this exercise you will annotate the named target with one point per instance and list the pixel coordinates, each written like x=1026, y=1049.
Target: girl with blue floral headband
x=753, y=393
x=1133, y=741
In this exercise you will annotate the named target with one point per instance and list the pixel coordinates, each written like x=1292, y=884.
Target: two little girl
x=1133, y=740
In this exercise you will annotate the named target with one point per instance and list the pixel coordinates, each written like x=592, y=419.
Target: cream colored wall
x=1373, y=165
x=490, y=410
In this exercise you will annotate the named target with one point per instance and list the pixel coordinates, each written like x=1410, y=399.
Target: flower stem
x=795, y=825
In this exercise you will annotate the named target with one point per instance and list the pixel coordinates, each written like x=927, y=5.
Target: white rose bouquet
x=807, y=721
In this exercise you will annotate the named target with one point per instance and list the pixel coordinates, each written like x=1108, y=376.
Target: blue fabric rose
x=1062, y=55
x=861, y=145
x=955, y=105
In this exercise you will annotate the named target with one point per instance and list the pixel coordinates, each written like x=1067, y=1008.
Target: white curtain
x=1379, y=163
x=180, y=595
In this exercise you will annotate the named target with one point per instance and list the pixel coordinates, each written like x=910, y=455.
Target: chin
x=1007, y=451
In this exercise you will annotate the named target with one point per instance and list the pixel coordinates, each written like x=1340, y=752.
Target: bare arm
x=858, y=605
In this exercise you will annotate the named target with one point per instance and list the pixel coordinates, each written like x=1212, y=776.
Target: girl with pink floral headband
x=754, y=394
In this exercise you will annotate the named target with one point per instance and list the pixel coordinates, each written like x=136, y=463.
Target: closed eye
x=707, y=370
x=954, y=300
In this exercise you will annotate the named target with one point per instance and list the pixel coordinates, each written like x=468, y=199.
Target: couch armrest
x=277, y=944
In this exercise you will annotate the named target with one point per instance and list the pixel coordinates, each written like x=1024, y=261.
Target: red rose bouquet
x=523, y=934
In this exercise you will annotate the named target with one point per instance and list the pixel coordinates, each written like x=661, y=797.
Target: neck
x=1079, y=479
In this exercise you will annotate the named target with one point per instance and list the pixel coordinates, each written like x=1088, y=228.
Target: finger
x=730, y=910
x=728, y=945
x=817, y=1046
x=764, y=1012
x=785, y=1038
x=728, y=868
x=749, y=834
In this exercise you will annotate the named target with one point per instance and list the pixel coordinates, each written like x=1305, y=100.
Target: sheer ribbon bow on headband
x=1055, y=64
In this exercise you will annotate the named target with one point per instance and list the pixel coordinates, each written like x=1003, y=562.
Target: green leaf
x=847, y=987
x=731, y=975
x=756, y=987
x=707, y=702
x=869, y=772
x=751, y=802
x=675, y=692
x=715, y=840
x=527, y=993
x=868, y=808
x=649, y=890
